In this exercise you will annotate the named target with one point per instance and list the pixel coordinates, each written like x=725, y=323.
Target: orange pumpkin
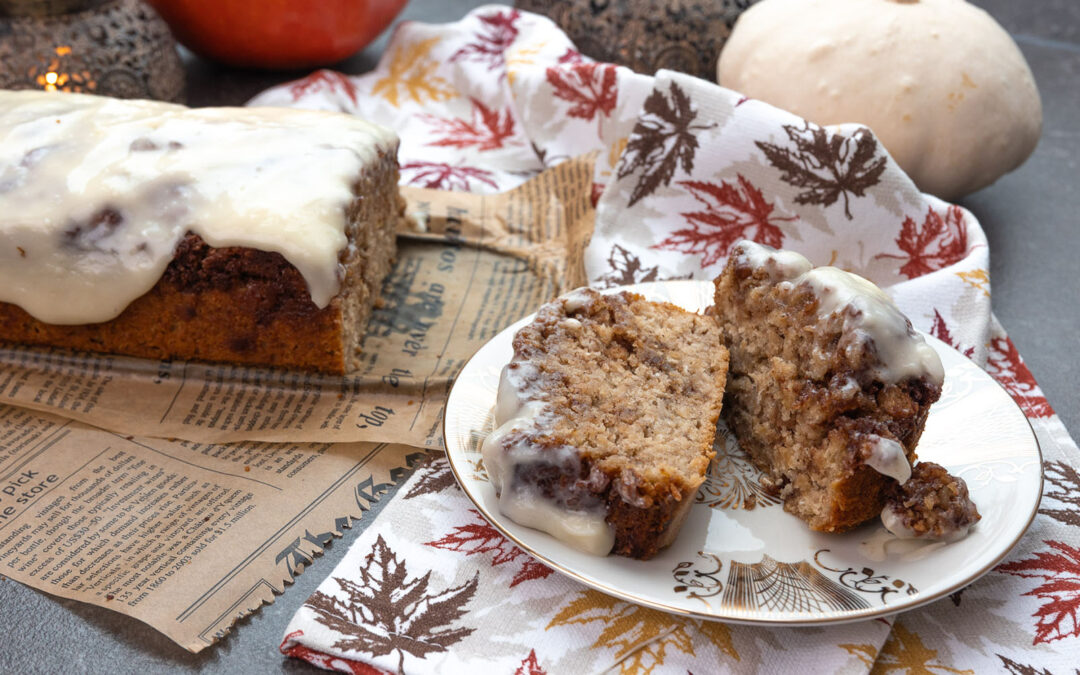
x=277, y=33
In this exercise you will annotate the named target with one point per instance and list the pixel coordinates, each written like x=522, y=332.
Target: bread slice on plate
x=605, y=421
x=829, y=387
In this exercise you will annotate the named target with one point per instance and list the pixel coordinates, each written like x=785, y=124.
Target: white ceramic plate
x=760, y=564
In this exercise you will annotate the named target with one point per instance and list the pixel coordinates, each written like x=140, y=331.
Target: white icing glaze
x=781, y=265
x=894, y=523
x=887, y=458
x=520, y=407
x=516, y=387
x=576, y=300
x=265, y=178
x=903, y=352
x=584, y=530
x=882, y=545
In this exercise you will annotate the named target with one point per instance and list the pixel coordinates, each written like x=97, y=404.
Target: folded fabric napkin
x=685, y=170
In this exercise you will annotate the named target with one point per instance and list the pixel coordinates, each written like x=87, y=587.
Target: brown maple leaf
x=443, y=176
x=480, y=537
x=904, y=652
x=434, y=476
x=1019, y=668
x=1004, y=364
x=323, y=80
x=940, y=330
x=827, y=166
x=1057, y=617
x=733, y=211
x=1064, y=487
x=497, y=32
x=662, y=141
x=940, y=242
x=530, y=665
x=627, y=268
x=590, y=87
x=387, y=611
x=956, y=596
x=489, y=129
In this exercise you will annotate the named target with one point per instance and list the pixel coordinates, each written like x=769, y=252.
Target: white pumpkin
x=941, y=84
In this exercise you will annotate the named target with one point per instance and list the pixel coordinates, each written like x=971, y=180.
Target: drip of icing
x=520, y=413
x=97, y=193
x=902, y=352
x=882, y=545
x=577, y=299
x=781, y=265
x=887, y=458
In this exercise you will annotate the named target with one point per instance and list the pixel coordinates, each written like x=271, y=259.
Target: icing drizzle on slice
x=869, y=314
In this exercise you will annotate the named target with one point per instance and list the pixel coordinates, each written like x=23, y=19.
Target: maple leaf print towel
x=685, y=169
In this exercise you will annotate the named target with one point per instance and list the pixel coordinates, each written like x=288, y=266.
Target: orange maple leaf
x=411, y=75
x=639, y=636
x=904, y=652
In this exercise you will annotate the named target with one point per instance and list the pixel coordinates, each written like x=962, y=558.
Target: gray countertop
x=1032, y=218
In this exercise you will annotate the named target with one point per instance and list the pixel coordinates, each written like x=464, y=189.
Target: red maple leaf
x=530, y=665
x=443, y=176
x=497, y=33
x=732, y=212
x=1005, y=365
x=590, y=87
x=489, y=129
x=530, y=569
x=941, y=331
x=1057, y=618
x=480, y=537
x=571, y=56
x=326, y=661
x=940, y=242
x=597, y=191
x=323, y=80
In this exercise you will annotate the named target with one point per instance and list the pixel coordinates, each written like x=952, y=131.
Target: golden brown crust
x=240, y=305
x=212, y=324
x=643, y=531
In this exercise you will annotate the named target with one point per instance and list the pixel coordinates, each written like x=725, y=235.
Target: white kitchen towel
x=685, y=169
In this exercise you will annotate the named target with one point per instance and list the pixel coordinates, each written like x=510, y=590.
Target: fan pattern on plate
x=791, y=588
x=773, y=586
x=733, y=482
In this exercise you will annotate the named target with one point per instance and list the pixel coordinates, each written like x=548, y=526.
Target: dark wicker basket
x=647, y=35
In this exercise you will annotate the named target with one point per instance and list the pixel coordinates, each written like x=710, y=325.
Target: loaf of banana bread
x=243, y=235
